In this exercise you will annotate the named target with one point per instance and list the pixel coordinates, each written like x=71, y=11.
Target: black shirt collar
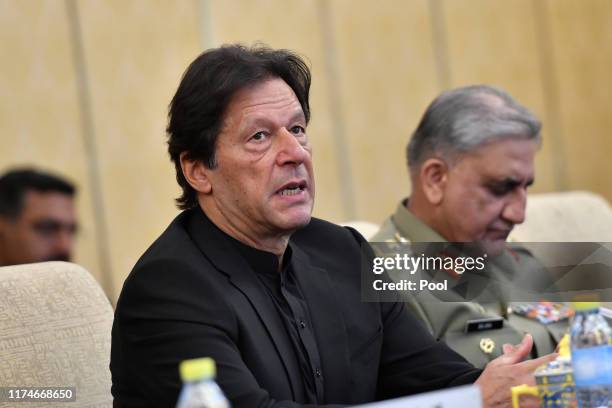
x=260, y=261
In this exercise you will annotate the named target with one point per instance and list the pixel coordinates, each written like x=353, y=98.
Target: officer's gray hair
x=463, y=119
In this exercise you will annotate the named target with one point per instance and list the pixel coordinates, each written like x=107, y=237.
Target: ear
x=433, y=176
x=196, y=173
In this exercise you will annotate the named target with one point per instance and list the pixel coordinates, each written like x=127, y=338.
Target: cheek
x=249, y=185
x=491, y=210
x=28, y=236
x=478, y=210
x=34, y=245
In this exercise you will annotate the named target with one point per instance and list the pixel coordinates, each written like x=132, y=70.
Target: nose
x=514, y=210
x=290, y=150
x=64, y=241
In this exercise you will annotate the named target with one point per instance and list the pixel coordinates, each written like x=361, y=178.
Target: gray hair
x=463, y=119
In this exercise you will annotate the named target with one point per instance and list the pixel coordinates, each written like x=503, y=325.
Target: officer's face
x=263, y=184
x=486, y=192
x=43, y=231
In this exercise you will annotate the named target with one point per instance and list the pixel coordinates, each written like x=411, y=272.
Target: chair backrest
x=575, y=216
x=55, y=328
x=365, y=228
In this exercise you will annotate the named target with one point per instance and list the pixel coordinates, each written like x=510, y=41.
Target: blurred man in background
x=37, y=217
x=471, y=163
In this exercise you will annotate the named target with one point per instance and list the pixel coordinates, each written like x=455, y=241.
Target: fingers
x=516, y=354
x=531, y=365
x=524, y=372
x=507, y=348
x=509, y=370
x=524, y=349
x=529, y=401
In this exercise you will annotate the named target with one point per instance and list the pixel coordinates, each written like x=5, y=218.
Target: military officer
x=471, y=161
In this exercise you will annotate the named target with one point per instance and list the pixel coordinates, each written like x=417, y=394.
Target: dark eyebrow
x=510, y=182
x=50, y=224
x=264, y=121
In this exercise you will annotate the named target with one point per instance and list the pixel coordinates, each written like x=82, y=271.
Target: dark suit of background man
x=37, y=217
x=245, y=276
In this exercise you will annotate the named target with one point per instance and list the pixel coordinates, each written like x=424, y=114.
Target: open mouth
x=291, y=189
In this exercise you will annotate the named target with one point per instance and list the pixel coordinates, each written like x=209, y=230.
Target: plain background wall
x=84, y=89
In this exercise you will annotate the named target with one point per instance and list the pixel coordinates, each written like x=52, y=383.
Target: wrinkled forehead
x=270, y=99
x=507, y=157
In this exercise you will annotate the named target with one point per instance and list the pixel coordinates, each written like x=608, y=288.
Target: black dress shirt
x=293, y=311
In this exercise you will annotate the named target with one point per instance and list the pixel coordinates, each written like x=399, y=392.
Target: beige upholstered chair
x=365, y=228
x=55, y=326
x=575, y=216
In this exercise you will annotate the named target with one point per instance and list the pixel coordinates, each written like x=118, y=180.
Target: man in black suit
x=245, y=276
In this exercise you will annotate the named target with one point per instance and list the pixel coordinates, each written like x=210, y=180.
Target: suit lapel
x=219, y=250
x=329, y=327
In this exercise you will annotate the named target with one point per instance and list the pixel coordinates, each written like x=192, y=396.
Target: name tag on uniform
x=489, y=323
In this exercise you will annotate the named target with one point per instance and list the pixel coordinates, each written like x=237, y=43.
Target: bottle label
x=592, y=366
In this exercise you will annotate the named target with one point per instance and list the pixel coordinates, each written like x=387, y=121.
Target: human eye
x=258, y=136
x=47, y=228
x=497, y=188
x=504, y=187
x=499, y=191
x=297, y=130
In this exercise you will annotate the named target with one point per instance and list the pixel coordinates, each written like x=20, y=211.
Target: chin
x=494, y=247
x=301, y=222
x=294, y=221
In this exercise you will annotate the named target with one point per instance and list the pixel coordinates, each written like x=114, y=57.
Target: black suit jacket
x=192, y=295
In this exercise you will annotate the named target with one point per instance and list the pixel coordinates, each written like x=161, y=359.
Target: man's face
x=43, y=231
x=486, y=193
x=263, y=184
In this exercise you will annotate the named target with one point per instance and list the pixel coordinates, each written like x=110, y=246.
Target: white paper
x=460, y=397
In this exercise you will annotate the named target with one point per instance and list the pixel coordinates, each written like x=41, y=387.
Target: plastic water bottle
x=199, y=387
x=591, y=356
